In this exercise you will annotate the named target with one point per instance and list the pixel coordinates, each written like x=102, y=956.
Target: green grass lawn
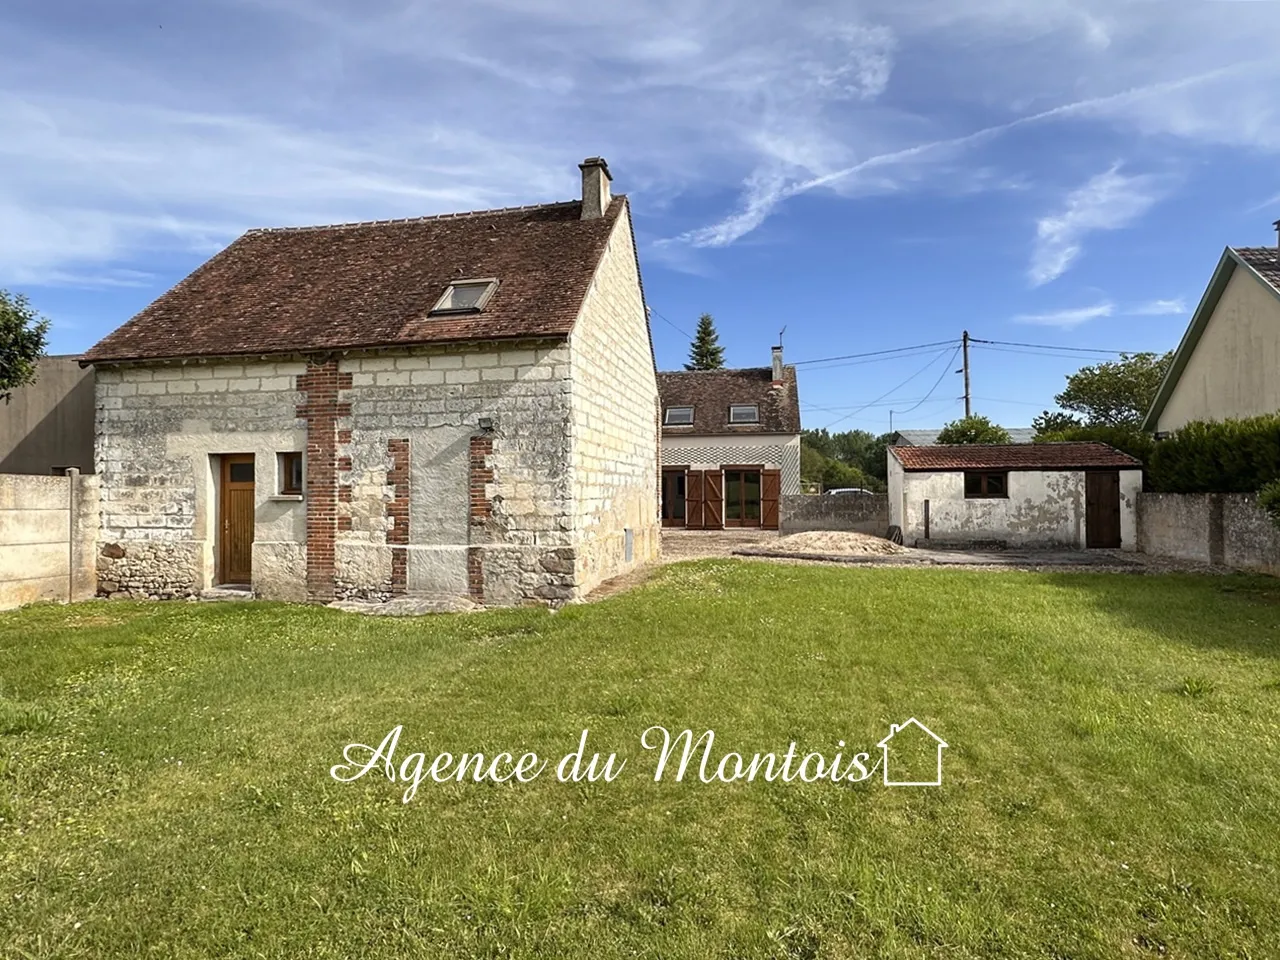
x=1111, y=789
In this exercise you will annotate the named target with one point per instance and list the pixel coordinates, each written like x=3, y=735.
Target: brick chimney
x=777, y=366
x=595, y=187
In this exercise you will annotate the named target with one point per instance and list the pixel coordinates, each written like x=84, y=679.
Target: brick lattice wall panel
x=322, y=410
x=398, y=514
x=781, y=456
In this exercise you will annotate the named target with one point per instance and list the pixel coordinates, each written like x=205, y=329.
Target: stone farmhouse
x=730, y=445
x=453, y=406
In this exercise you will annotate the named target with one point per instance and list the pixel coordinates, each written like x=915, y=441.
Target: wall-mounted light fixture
x=486, y=424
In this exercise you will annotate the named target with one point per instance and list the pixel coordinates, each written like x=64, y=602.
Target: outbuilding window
x=980, y=484
x=290, y=473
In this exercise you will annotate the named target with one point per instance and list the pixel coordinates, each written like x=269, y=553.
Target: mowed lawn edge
x=1111, y=784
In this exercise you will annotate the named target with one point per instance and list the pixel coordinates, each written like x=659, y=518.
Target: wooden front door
x=1102, y=508
x=713, y=499
x=770, y=493
x=235, y=519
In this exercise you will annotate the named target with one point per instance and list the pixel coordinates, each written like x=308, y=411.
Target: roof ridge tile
x=425, y=218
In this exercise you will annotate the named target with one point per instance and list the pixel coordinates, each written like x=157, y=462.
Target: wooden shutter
x=713, y=499
x=770, y=490
x=693, y=495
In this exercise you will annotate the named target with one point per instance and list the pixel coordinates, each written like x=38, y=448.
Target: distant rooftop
x=927, y=438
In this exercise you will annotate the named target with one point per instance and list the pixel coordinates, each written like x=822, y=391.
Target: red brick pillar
x=398, y=514
x=321, y=410
x=479, y=474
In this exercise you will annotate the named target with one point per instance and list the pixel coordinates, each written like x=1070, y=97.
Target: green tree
x=1053, y=422
x=705, y=353
x=973, y=429
x=1117, y=393
x=820, y=441
x=874, y=457
x=23, y=337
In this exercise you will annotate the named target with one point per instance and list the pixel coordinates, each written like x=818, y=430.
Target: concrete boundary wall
x=857, y=512
x=48, y=538
x=1223, y=528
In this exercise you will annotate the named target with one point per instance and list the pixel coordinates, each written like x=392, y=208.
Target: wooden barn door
x=713, y=499
x=770, y=492
x=235, y=512
x=1102, y=508
x=693, y=494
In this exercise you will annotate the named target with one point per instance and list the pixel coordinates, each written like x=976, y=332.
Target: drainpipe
x=926, y=519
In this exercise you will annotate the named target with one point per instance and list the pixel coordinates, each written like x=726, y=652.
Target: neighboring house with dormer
x=730, y=445
x=450, y=406
x=1228, y=363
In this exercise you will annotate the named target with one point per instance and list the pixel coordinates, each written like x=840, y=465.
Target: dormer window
x=744, y=413
x=679, y=416
x=465, y=296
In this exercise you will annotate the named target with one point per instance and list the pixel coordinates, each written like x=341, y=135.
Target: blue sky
x=869, y=175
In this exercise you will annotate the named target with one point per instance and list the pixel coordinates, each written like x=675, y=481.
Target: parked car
x=849, y=490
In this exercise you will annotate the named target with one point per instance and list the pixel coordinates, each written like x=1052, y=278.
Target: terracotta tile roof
x=1014, y=456
x=711, y=392
x=1266, y=260
x=372, y=284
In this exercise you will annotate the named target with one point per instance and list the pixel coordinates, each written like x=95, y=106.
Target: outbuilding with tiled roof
x=1037, y=495
x=458, y=407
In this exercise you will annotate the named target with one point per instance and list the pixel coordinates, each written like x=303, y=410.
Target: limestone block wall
x=1223, y=528
x=48, y=532
x=614, y=397
x=859, y=512
x=159, y=430
x=392, y=433
x=428, y=403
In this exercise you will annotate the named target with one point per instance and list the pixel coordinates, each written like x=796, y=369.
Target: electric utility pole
x=964, y=343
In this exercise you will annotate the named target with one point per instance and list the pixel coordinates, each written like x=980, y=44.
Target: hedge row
x=1130, y=440
x=1228, y=456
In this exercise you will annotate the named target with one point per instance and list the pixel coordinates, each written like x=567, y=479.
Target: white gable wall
x=1232, y=372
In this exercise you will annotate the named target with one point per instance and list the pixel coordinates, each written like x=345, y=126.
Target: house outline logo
x=894, y=730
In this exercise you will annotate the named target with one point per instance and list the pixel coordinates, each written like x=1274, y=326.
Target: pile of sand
x=836, y=544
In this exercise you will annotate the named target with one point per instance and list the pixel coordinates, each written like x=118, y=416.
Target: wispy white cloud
x=120, y=142
x=1158, y=308
x=1108, y=201
x=1067, y=319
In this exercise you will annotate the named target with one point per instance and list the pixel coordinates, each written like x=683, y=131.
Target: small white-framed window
x=465, y=296
x=744, y=413
x=289, y=471
x=679, y=416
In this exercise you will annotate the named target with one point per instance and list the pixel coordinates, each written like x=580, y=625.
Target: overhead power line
x=878, y=353
x=670, y=324
x=1051, y=346
x=945, y=370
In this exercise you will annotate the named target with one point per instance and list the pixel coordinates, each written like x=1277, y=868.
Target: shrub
x=973, y=429
x=1228, y=456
